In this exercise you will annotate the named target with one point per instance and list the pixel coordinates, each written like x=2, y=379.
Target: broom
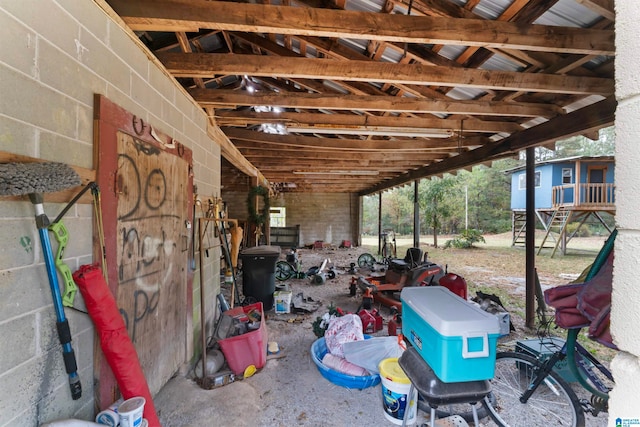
x=35, y=179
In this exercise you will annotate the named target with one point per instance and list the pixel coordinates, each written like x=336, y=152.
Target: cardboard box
x=456, y=338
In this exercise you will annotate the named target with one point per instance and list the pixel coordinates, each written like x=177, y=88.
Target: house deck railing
x=584, y=195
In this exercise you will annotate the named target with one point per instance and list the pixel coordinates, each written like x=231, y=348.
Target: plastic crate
x=249, y=348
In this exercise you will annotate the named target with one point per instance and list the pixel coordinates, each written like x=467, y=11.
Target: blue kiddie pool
x=319, y=349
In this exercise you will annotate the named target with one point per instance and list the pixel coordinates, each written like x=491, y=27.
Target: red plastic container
x=395, y=325
x=247, y=349
x=371, y=321
x=455, y=284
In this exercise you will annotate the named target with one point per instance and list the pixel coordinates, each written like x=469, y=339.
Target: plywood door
x=152, y=251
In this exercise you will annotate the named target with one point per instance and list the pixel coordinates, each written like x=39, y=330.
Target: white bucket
x=282, y=301
x=130, y=412
x=108, y=417
x=395, y=391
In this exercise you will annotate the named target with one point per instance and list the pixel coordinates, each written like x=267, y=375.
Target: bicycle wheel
x=553, y=403
x=283, y=270
x=366, y=260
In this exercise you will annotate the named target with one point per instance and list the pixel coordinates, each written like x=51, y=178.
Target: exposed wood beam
x=294, y=150
x=387, y=167
x=212, y=64
x=327, y=155
x=188, y=16
x=590, y=118
x=601, y=7
x=220, y=97
x=245, y=118
x=397, y=145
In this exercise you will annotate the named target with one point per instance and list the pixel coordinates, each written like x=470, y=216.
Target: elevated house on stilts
x=568, y=190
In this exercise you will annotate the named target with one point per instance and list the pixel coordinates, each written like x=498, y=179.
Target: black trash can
x=258, y=273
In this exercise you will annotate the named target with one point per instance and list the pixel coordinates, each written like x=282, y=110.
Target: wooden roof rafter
x=330, y=70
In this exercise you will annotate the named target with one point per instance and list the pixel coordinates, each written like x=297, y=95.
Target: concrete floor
x=288, y=391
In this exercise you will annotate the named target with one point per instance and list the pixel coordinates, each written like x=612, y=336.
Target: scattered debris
x=304, y=305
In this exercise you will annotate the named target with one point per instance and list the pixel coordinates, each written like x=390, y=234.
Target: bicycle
x=521, y=379
x=531, y=385
x=387, y=251
x=528, y=391
x=290, y=268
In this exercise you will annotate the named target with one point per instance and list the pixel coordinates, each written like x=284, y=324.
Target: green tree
x=432, y=194
x=489, y=194
x=581, y=146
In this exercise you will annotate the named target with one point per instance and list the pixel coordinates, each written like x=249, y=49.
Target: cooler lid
x=446, y=312
x=261, y=250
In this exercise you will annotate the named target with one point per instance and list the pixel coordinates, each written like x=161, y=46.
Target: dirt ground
x=289, y=390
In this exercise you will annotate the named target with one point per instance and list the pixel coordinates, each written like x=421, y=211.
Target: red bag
x=114, y=340
x=565, y=300
x=594, y=302
x=586, y=304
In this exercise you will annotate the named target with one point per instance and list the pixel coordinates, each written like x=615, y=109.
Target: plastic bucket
x=131, y=412
x=395, y=390
x=108, y=417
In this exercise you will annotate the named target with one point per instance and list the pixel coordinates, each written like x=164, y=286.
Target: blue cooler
x=456, y=338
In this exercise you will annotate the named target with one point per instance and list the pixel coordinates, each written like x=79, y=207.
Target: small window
x=278, y=217
x=567, y=175
x=522, y=180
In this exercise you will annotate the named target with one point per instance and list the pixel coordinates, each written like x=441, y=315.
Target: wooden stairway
x=518, y=228
x=557, y=225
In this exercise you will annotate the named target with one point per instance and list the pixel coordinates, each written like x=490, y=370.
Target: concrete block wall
x=340, y=220
x=330, y=217
x=55, y=55
x=625, y=313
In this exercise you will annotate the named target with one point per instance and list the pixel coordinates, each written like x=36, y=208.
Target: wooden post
x=530, y=244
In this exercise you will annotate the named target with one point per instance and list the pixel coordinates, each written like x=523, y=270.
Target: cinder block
x=17, y=137
x=627, y=184
x=63, y=34
x=17, y=341
x=148, y=96
x=93, y=18
x=28, y=100
x=18, y=47
x=625, y=299
x=98, y=57
x=65, y=150
x=84, y=116
x=18, y=390
x=120, y=42
x=162, y=83
x=21, y=243
x=23, y=290
x=623, y=402
x=81, y=87
x=627, y=46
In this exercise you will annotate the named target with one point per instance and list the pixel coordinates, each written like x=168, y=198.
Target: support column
x=530, y=240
